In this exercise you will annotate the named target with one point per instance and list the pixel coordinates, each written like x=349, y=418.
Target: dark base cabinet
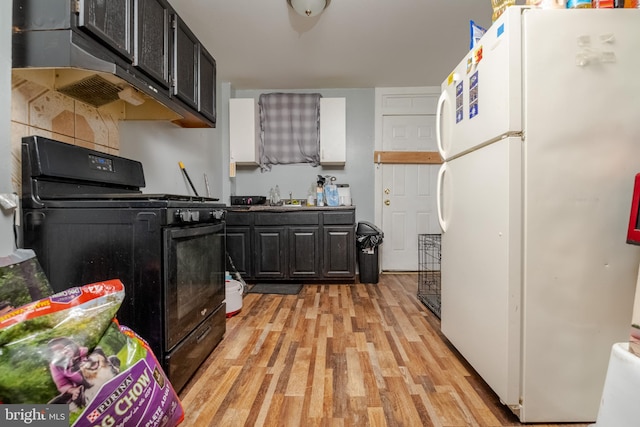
x=280, y=245
x=270, y=255
x=339, y=257
x=239, y=249
x=304, y=252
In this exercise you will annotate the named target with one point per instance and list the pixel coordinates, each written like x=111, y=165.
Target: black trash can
x=368, y=239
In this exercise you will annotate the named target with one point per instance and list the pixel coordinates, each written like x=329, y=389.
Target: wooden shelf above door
x=407, y=157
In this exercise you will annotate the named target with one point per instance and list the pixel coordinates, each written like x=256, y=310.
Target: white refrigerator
x=539, y=129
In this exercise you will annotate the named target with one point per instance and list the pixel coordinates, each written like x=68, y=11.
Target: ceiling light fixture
x=308, y=7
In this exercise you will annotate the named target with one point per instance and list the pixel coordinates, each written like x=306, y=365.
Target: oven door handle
x=203, y=334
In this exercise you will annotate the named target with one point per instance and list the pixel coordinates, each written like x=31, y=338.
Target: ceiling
x=264, y=44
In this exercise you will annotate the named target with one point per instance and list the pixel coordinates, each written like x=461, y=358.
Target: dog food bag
x=68, y=349
x=125, y=385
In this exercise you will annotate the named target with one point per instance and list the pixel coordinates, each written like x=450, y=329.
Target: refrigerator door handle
x=441, y=221
x=441, y=101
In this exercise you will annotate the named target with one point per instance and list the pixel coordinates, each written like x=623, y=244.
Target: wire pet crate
x=429, y=271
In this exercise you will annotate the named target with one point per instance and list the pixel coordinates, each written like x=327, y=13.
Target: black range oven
x=86, y=219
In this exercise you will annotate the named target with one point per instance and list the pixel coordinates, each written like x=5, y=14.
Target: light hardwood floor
x=339, y=355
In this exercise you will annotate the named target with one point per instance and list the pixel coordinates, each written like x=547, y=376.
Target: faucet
x=290, y=197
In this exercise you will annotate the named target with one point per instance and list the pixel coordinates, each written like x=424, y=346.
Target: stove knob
x=182, y=216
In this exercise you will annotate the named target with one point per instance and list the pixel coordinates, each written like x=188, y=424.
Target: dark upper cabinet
x=144, y=43
x=110, y=21
x=152, y=39
x=207, y=85
x=186, y=55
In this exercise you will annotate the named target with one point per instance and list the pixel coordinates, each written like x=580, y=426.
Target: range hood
x=48, y=46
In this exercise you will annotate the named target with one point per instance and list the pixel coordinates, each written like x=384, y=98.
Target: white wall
x=358, y=170
x=6, y=217
x=160, y=145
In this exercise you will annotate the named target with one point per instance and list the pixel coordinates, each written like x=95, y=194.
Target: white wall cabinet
x=243, y=138
x=333, y=131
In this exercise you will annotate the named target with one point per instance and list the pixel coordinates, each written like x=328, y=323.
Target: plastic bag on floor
x=21, y=280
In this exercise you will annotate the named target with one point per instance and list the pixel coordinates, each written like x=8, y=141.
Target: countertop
x=286, y=208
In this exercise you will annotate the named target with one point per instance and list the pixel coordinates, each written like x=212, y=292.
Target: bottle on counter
x=319, y=195
x=311, y=195
x=602, y=4
x=618, y=4
x=276, y=194
x=610, y=4
x=579, y=4
x=320, y=191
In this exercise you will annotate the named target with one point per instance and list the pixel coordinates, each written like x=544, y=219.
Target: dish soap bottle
x=320, y=193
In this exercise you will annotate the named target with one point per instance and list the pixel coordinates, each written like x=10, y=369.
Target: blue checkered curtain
x=289, y=129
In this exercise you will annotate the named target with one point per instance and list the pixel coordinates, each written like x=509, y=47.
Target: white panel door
x=409, y=203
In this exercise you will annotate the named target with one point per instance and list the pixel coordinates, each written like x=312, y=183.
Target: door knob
x=387, y=202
